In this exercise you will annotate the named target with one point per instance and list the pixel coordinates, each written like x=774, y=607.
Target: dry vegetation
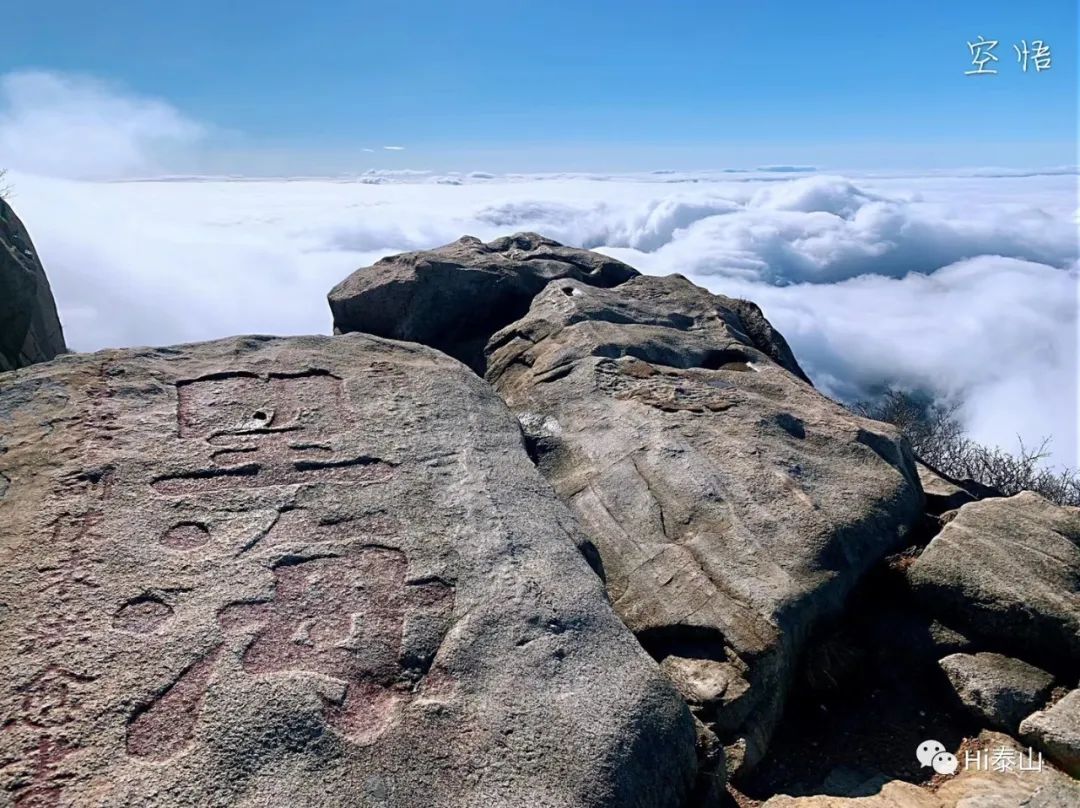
x=938, y=439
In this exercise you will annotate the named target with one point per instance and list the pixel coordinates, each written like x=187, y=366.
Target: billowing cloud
x=72, y=126
x=816, y=229
x=997, y=336
x=962, y=286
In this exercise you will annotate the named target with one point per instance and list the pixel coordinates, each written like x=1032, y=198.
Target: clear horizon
x=255, y=88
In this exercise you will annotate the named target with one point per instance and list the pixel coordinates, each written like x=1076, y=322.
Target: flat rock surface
x=1007, y=572
x=1056, y=730
x=998, y=690
x=29, y=326
x=732, y=506
x=306, y=571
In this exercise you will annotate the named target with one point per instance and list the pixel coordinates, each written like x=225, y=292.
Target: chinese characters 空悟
x=1037, y=55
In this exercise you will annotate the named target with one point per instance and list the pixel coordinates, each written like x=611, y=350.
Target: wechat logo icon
x=933, y=754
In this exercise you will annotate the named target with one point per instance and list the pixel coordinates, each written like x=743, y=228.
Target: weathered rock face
x=942, y=495
x=733, y=507
x=455, y=297
x=1056, y=731
x=1007, y=571
x=29, y=326
x=945, y=494
x=998, y=690
x=309, y=571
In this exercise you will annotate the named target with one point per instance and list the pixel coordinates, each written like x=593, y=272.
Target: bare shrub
x=936, y=435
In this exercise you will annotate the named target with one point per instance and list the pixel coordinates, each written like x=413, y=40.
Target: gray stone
x=733, y=507
x=1007, y=572
x=763, y=336
x=947, y=640
x=307, y=571
x=996, y=689
x=942, y=495
x=1056, y=731
x=454, y=297
x=29, y=326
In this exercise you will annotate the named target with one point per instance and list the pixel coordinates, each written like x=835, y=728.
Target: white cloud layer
x=73, y=126
x=964, y=285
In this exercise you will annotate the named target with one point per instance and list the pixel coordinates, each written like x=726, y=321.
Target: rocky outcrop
x=733, y=507
x=1007, y=571
x=455, y=297
x=1056, y=731
x=354, y=571
x=307, y=571
x=998, y=690
x=29, y=326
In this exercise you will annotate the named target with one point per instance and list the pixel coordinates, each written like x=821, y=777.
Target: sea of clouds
x=963, y=285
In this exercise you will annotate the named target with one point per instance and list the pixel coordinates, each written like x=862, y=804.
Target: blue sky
x=577, y=85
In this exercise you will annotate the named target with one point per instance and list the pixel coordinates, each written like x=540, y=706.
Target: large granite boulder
x=1056, y=731
x=29, y=326
x=733, y=507
x=1007, y=572
x=454, y=297
x=997, y=690
x=307, y=571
